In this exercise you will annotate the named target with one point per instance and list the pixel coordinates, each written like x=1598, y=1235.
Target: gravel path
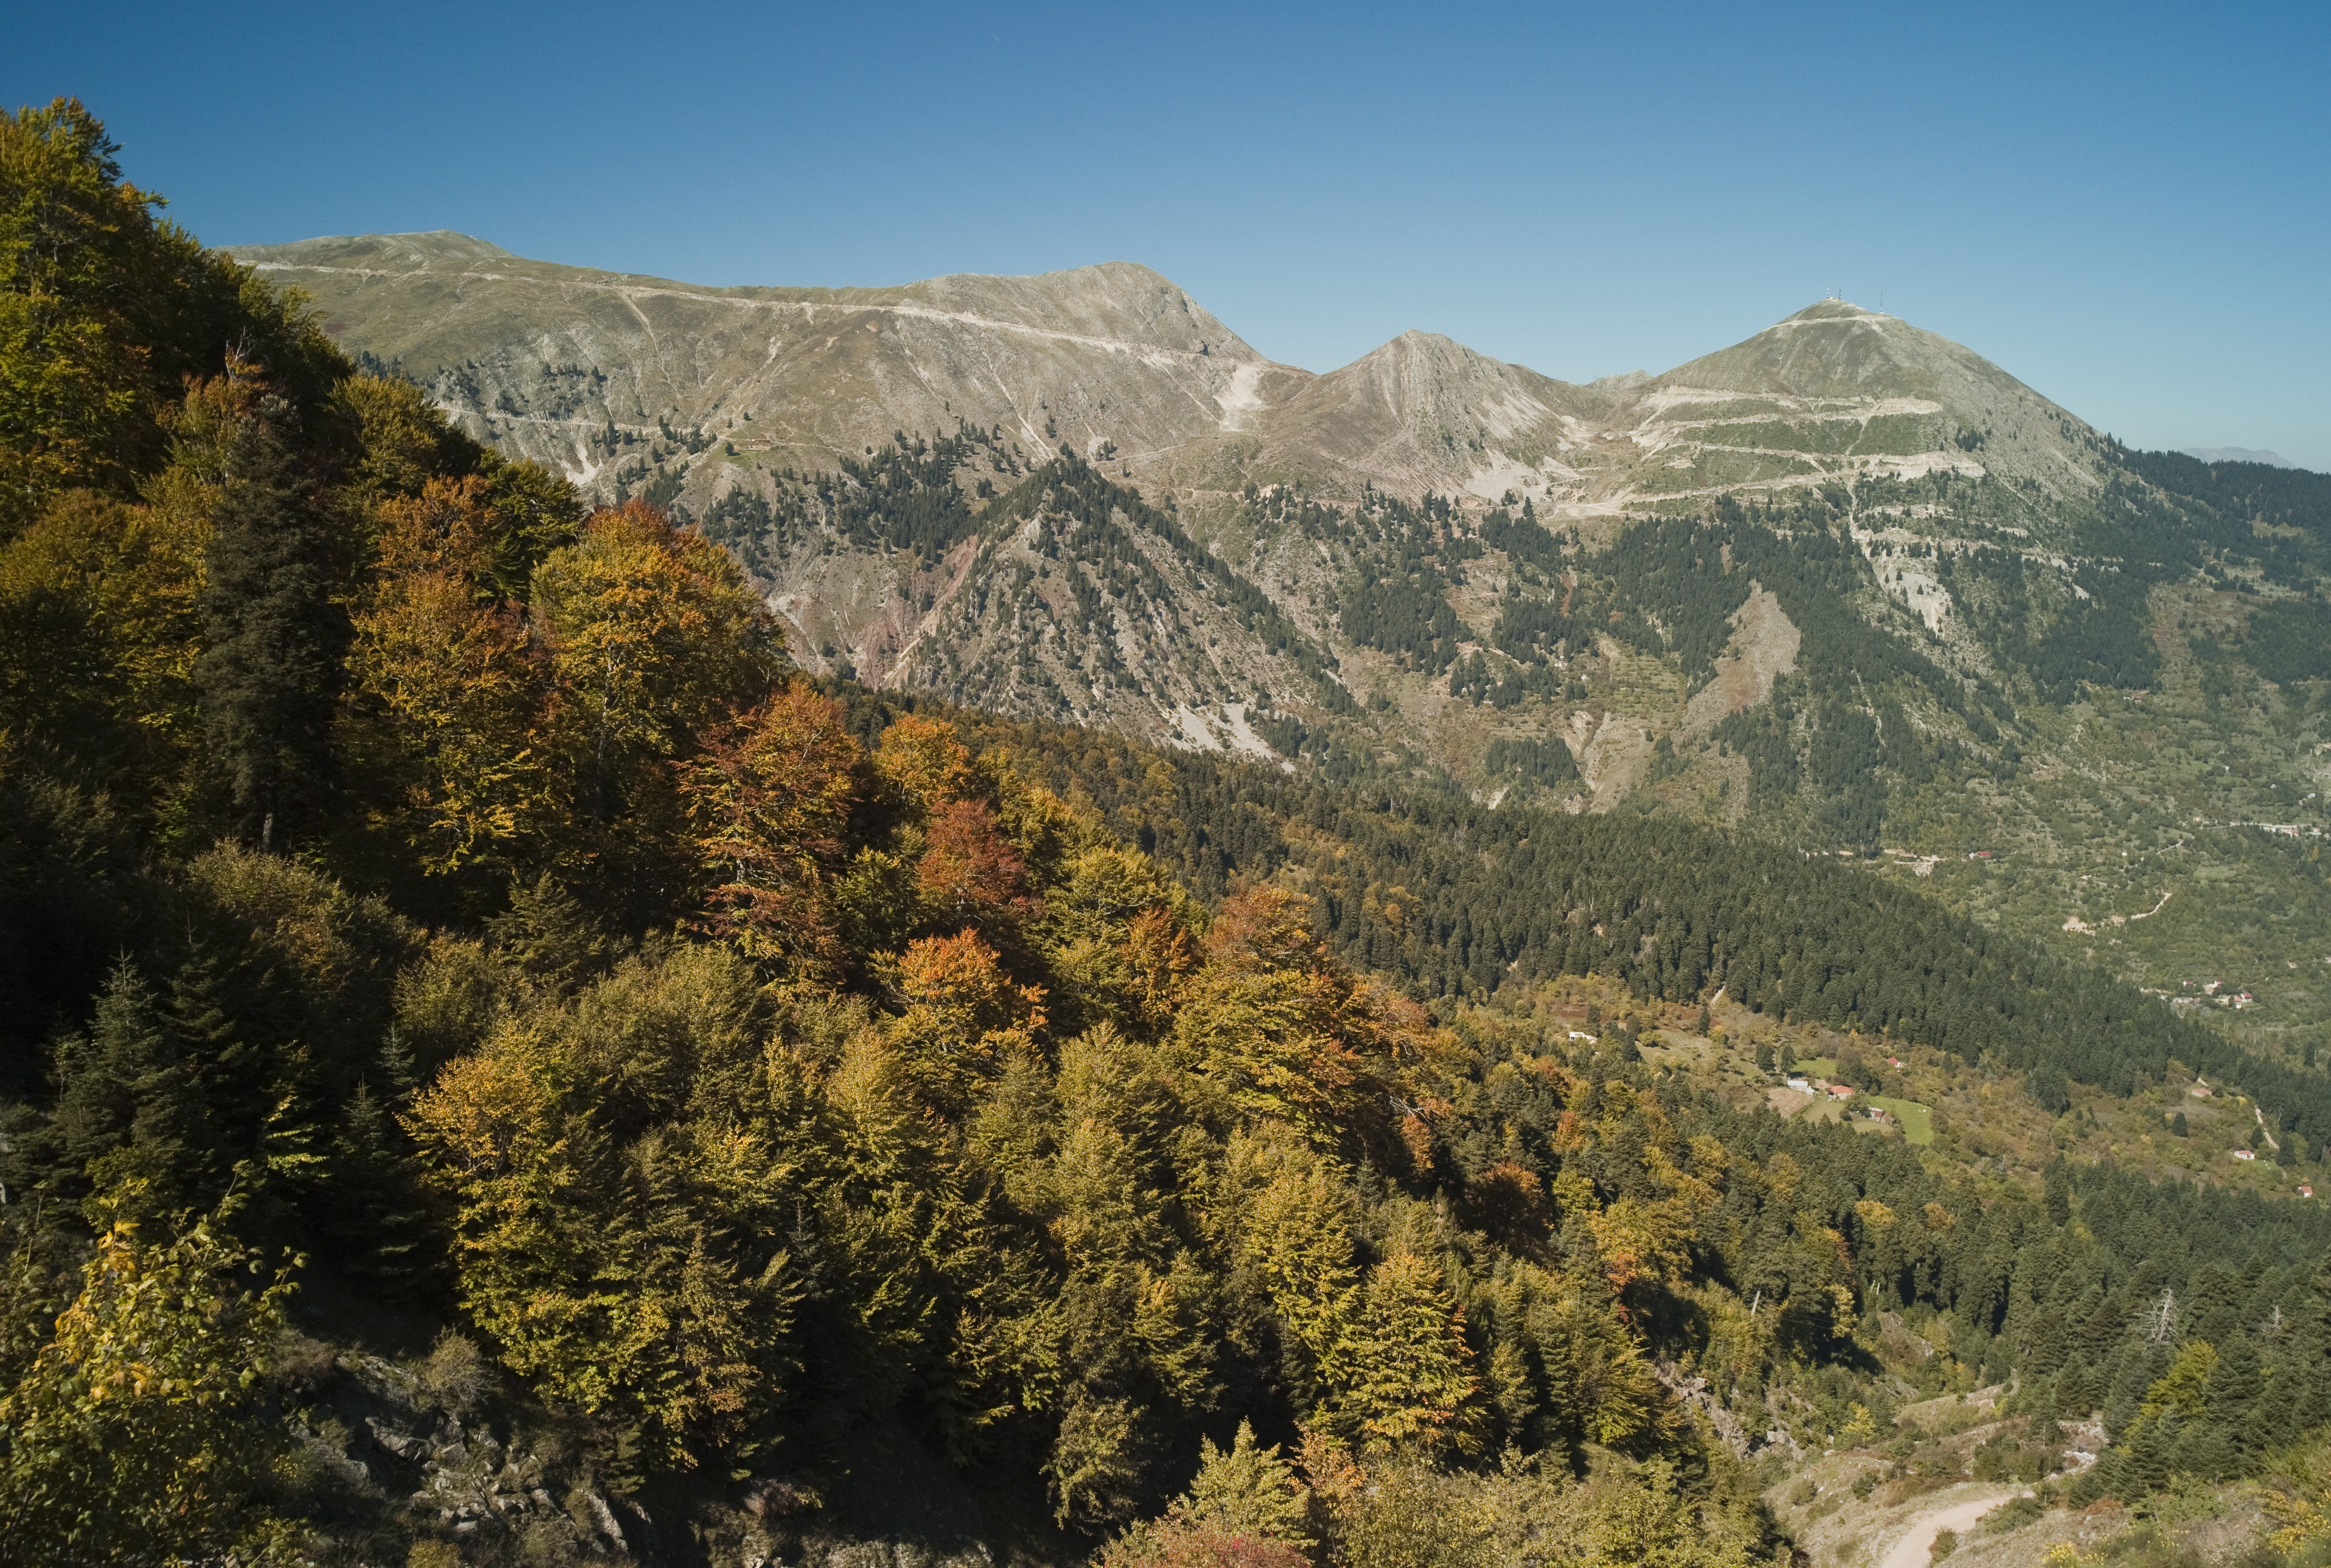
x=1911, y=1550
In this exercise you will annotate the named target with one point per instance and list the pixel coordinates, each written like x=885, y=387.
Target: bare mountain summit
x=1303, y=545
x=546, y=360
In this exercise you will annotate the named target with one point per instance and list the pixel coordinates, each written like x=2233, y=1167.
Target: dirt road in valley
x=1911, y=1551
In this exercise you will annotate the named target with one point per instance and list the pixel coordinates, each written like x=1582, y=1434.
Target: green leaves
x=619, y=1208
x=71, y=369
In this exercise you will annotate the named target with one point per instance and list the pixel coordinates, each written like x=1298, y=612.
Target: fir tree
x=1413, y=1378
x=137, y=1093
x=547, y=936
x=274, y=630
x=377, y=1213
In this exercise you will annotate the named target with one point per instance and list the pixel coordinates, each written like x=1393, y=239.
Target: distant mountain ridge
x=1116, y=359
x=541, y=358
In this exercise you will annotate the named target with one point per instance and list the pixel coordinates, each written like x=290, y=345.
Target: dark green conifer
x=373, y=1208
x=2056, y=1188
x=274, y=634
x=101, y=1074
x=135, y=1093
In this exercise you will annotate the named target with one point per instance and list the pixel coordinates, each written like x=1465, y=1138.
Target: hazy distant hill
x=2238, y=454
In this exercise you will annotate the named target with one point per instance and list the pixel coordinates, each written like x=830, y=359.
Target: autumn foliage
x=426, y=886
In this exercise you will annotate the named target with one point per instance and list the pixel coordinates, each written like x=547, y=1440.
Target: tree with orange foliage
x=966, y=1019
x=967, y=873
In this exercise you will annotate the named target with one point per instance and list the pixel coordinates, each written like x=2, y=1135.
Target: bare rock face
x=1730, y=1426
x=504, y=1479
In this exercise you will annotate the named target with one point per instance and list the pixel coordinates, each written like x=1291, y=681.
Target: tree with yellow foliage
x=448, y=723
x=133, y=1436
x=769, y=798
x=652, y=641
x=1411, y=1387
x=619, y=1229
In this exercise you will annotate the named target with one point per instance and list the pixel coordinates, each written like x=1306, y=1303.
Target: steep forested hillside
x=2118, y=750
x=501, y=1067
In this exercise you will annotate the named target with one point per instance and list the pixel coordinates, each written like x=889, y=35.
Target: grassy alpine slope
x=501, y=1067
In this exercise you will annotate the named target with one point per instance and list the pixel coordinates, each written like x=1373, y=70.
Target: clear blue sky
x=2128, y=207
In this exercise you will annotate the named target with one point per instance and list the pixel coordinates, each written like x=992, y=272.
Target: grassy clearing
x=1917, y=1121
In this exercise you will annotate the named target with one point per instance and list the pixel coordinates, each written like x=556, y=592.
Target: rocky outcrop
x=1730, y=1426
x=504, y=1475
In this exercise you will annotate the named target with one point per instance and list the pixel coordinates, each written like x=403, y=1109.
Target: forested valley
x=501, y=1067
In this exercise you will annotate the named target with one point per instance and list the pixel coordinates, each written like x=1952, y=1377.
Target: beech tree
x=127, y=1440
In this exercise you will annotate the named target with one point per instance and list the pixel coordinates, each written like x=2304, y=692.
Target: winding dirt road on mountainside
x=1913, y=1549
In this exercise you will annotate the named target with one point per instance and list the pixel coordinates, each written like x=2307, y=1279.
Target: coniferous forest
x=497, y=1066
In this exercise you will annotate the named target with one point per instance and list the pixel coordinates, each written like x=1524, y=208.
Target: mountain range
x=1846, y=582
x=542, y=359
x=1419, y=965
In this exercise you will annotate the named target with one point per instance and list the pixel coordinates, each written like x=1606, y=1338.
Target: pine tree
x=132, y=1103
x=275, y=630
x=546, y=935
x=377, y=1213
x=99, y=1073
x=2230, y=1399
x=1247, y=1490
